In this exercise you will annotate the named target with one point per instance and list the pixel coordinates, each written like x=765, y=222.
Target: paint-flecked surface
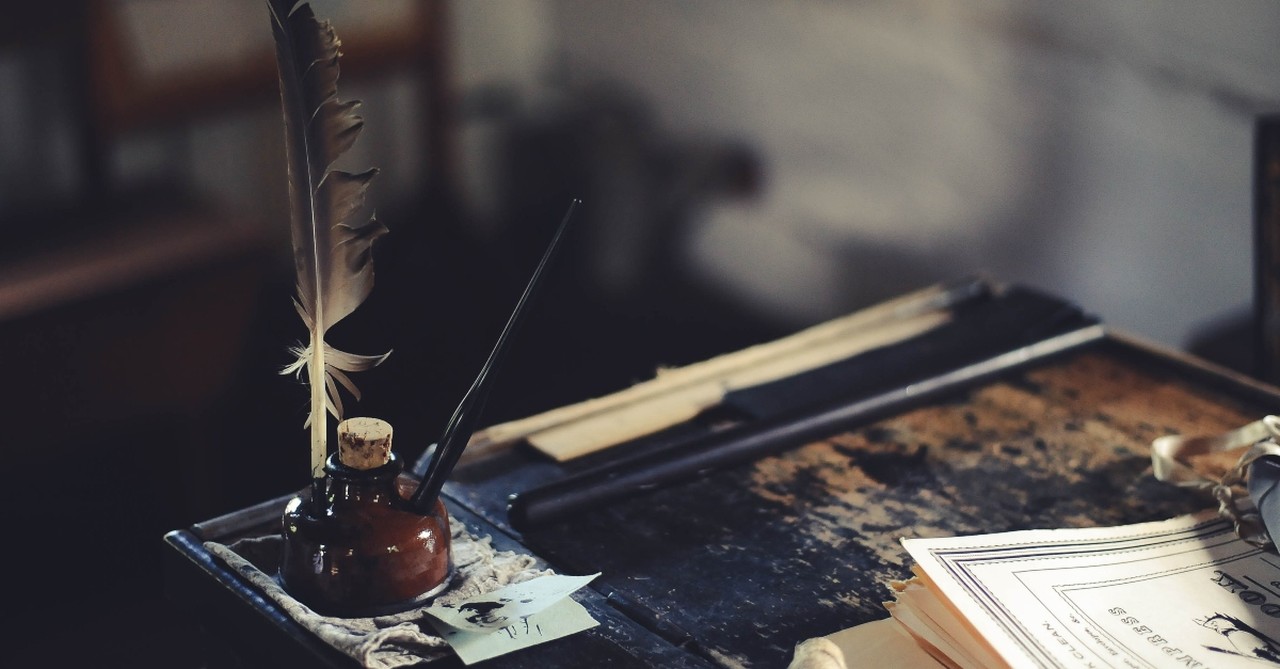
x=743, y=564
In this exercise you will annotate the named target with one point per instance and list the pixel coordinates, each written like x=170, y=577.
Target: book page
x=880, y=644
x=1186, y=593
x=937, y=628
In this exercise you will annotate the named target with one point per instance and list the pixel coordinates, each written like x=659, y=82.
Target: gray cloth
x=397, y=640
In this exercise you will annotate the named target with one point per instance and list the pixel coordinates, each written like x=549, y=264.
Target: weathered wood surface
x=743, y=564
x=736, y=568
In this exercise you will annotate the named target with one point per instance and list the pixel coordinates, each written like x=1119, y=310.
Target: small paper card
x=561, y=619
x=514, y=617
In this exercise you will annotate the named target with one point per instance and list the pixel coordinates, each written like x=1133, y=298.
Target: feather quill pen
x=332, y=245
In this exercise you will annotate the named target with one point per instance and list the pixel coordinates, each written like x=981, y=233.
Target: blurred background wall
x=1099, y=149
x=747, y=168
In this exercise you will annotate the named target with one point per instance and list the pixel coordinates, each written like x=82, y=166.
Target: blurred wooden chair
x=123, y=306
x=123, y=98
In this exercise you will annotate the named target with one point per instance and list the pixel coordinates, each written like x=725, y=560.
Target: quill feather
x=331, y=244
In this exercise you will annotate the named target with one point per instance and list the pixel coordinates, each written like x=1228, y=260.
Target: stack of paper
x=1185, y=592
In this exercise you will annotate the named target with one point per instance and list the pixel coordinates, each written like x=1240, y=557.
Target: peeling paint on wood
x=741, y=565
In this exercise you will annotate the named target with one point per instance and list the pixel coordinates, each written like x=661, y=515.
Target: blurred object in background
x=144, y=146
x=142, y=195
x=1265, y=330
x=624, y=300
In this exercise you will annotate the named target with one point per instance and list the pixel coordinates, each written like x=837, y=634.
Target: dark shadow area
x=1230, y=341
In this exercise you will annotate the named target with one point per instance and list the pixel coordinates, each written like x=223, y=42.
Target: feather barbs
x=338, y=364
x=332, y=243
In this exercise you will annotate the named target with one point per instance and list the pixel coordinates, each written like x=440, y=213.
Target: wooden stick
x=642, y=473
x=684, y=402
x=652, y=405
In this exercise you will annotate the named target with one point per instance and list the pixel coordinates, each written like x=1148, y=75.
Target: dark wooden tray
x=737, y=566
x=262, y=634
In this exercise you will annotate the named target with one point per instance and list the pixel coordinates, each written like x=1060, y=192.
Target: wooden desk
x=735, y=568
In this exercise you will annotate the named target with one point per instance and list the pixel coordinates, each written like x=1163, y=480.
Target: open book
x=1185, y=592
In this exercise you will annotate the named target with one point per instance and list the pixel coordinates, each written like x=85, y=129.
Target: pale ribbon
x=1170, y=460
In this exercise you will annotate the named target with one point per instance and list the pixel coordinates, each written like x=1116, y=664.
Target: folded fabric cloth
x=817, y=653
x=397, y=640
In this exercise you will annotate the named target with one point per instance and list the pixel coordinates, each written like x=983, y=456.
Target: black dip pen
x=458, y=431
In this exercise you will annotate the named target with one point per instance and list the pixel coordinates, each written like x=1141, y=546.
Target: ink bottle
x=361, y=550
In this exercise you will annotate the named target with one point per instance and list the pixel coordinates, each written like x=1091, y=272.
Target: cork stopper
x=364, y=443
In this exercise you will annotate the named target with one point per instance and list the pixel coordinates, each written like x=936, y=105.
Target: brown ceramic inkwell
x=358, y=543
x=367, y=551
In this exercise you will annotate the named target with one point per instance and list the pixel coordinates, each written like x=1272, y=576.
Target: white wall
x=1098, y=149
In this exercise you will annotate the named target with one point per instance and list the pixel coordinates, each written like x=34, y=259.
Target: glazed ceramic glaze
x=361, y=549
